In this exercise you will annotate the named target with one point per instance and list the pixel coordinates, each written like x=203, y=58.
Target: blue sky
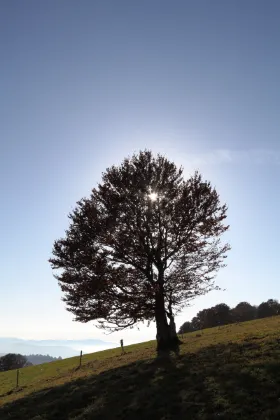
x=84, y=84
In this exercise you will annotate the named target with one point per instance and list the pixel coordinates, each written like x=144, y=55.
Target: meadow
x=229, y=372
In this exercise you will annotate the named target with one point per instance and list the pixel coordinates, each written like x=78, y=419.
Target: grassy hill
x=231, y=372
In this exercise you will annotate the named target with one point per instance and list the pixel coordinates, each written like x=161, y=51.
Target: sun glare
x=153, y=196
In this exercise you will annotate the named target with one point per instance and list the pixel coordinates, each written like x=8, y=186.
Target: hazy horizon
x=54, y=348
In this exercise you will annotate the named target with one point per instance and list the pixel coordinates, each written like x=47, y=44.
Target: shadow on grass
x=219, y=382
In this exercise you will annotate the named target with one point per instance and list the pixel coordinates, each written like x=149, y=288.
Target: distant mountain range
x=54, y=348
x=38, y=359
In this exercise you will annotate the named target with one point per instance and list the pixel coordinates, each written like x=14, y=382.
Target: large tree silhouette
x=145, y=243
x=13, y=361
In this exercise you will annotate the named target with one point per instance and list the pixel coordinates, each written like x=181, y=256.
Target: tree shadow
x=174, y=351
x=234, y=381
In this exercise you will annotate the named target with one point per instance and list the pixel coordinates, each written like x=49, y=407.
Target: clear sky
x=85, y=83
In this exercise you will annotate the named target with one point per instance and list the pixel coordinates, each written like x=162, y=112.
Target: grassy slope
x=232, y=372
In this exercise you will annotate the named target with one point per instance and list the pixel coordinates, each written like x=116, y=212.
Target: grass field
x=231, y=372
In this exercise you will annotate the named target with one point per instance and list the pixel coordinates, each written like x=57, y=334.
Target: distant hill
x=229, y=372
x=53, y=348
x=38, y=359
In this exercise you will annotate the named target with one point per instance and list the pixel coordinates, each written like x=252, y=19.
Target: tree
x=196, y=323
x=143, y=245
x=206, y=318
x=269, y=308
x=186, y=327
x=212, y=317
x=243, y=312
x=13, y=361
x=222, y=314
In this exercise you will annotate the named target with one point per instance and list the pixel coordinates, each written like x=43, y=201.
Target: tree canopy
x=243, y=312
x=141, y=246
x=269, y=308
x=13, y=361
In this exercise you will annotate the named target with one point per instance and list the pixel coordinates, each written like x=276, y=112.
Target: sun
x=153, y=196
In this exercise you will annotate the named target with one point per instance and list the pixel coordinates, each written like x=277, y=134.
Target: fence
x=17, y=379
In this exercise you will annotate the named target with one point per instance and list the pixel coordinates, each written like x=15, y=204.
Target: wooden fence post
x=81, y=358
x=122, y=347
x=17, y=378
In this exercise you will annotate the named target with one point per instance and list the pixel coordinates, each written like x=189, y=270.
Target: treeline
x=222, y=314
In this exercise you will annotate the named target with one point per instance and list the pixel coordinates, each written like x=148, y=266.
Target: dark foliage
x=221, y=314
x=269, y=308
x=13, y=361
x=243, y=312
x=141, y=247
x=186, y=327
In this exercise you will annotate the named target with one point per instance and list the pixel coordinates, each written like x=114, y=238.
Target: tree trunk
x=166, y=333
x=172, y=326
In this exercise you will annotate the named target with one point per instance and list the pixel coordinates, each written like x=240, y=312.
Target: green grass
x=232, y=372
